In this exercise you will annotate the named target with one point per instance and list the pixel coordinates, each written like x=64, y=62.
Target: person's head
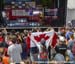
x=48, y=29
x=36, y=29
x=14, y=39
x=72, y=36
x=62, y=29
x=43, y=41
x=19, y=41
x=59, y=57
x=25, y=31
x=68, y=29
x=62, y=40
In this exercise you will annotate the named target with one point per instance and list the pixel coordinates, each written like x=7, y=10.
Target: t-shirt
x=14, y=52
x=5, y=60
x=61, y=48
x=1, y=39
x=68, y=35
x=70, y=44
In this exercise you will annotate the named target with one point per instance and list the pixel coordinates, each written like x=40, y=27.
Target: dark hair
x=19, y=41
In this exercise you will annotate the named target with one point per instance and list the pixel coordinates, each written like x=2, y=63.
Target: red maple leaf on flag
x=38, y=38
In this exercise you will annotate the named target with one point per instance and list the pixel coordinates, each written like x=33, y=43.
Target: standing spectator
x=34, y=50
x=68, y=33
x=4, y=44
x=5, y=58
x=14, y=52
x=72, y=54
x=1, y=39
x=24, y=50
x=61, y=31
x=71, y=42
x=43, y=52
x=61, y=47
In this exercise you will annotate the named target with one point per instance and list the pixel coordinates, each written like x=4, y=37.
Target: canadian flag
x=50, y=38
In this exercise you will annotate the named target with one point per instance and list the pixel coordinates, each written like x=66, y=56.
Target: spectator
x=68, y=33
x=43, y=52
x=71, y=42
x=1, y=38
x=24, y=50
x=34, y=50
x=72, y=55
x=14, y=52
x=5, y=58
x=61, y=47
x=3, y=42
x=59, y=57
x=21, y=47
x=61, y=32
x=9, y=41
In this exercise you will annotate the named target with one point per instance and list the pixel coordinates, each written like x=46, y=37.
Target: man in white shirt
x=14, y=52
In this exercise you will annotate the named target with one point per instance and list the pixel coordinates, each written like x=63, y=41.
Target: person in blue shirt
x=68, y=33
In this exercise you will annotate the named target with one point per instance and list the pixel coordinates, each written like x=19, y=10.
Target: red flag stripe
x=54, y=40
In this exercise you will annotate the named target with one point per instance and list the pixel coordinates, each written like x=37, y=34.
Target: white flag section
x=50, y=38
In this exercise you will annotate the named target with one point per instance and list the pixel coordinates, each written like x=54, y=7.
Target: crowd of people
x=16, y=48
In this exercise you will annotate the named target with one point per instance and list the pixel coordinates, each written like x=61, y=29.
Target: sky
x=71, y=4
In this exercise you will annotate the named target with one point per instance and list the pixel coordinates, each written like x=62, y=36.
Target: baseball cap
x=61, y=38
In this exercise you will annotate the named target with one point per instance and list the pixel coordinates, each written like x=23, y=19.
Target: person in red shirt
x=1, y=38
